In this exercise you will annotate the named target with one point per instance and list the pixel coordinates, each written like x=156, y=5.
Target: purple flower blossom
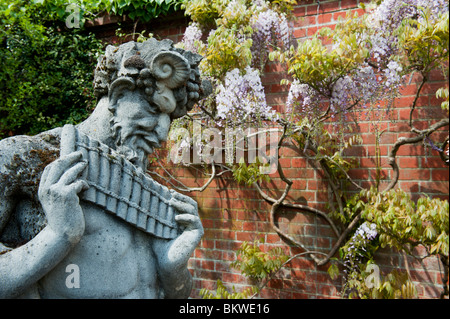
x=242, y=97
x=301, y=95
x=192, y=34
x=269, y=29
x=392, y=74
x=362, y=237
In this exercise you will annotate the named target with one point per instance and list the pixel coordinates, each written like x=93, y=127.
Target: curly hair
x=167, y=75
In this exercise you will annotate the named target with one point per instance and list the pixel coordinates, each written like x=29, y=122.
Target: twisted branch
x=411, y=140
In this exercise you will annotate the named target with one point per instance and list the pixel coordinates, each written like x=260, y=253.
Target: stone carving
x=79, y=218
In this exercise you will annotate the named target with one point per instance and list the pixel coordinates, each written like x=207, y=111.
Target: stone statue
x=79, y=218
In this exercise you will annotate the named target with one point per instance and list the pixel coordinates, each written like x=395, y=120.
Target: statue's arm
x=23, y=266
x=173, y=255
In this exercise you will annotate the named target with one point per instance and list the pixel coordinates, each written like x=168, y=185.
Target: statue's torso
x=114, y=261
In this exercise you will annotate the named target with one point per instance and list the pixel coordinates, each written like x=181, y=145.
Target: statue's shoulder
x=22, y=161
x=23, y=158
x=42, y=145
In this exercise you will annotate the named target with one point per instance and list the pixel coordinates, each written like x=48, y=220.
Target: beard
x=127, y=143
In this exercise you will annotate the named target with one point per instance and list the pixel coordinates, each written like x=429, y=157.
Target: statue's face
x=138, y=126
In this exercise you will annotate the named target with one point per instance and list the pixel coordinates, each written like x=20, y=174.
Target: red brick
x=246, y=236
x=347, y=4
x=360, y=12
x=329, y=6
x=299, y=11
x=312, y=10
x=325, y=18
x=408, y=162
x=411, y=187
x=311, y=31
x=299, y=33
x=285, y=162
x=435, y=187
x=414, y=174
x=434, y=162
x=439, y=175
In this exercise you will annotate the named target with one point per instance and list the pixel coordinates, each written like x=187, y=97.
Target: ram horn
x=117, y=87
x=170, y=68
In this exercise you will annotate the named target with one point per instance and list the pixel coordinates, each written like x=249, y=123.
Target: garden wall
x=233, y=213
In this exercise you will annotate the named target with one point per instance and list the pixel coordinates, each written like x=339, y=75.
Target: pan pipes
x=120, y=188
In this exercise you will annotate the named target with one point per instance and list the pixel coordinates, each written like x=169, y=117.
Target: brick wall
x=233, y=213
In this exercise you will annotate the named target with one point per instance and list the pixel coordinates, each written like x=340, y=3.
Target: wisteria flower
x=269, y=29
x=242, y=97
x=192, y=34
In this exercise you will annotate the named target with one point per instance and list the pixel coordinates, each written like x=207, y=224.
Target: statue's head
x=147, y=85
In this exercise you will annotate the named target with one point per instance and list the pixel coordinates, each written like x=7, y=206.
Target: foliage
x=257, y=264
x=254, y=263
x=144, y=10
x=395, y=285
x=249, y=174
x=443, y=94
x=425, y=41
x=226, y=49
x=47, y=68
x=391, y=219
x=403, y=224
x=362, y=275
x=400, y=222
x=46, y=71
x=223, y=293
x=234, y=37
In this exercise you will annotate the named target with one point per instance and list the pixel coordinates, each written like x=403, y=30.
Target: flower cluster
x=355, y=250
x=392, y=74
x=390, y=13
x=388, y=16
x=302, y=99
x=360, y=86
x=242, y=98
x=363, y=85
x=269, y=29
x=192, y=34
x=382, y=46
x=235, y=13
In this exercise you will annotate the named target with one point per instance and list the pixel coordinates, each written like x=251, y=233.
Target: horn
x=170, y=68
x=117, y=87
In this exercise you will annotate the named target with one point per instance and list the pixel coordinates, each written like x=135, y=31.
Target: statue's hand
x=173, y=255
x=58, y=193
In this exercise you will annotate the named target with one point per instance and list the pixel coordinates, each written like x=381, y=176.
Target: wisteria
x=302, y=99
x=382, y=46
x=242, y=97
x=233, y=13
x=378, y=78
x=357, y=246
x=269, y=28
x=390, y=13
x=362, y=86
x=393, y=74
x=192, y=34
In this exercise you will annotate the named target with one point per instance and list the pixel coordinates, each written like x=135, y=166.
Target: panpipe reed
x=104, y=175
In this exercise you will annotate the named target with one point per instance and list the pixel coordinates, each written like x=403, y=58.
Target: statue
x=79, y=218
